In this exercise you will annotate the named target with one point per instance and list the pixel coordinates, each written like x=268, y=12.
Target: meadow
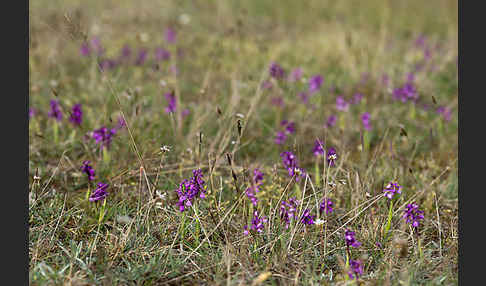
x=243, y=142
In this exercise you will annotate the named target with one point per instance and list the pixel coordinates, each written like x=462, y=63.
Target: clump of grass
x=289, y=125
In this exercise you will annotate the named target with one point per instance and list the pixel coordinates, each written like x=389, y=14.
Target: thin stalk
x=419, y=245
x=106, y=156
x=55, y=130
x=388, y=224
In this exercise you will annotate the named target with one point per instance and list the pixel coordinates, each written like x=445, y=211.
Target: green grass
x=227, y=48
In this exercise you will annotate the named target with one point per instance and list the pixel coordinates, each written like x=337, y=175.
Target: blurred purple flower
x=420, y=41
x=413, y=215
x=267, y=84
x=318, y=148
x=410, y=77
x=331, y=156
x=257, y=176
x=250, y=193
x=76, y=114
x=141, y=57
x=276, y=71
x=96, y=45
x=282, y=135
x=357, y=97
x=304, y=96
x=385, y=80
x=287, y=210
x=326, y=205
x=185, y=112
x=410, y=90
x=85, y=49
x=256, y=223
x=315, y=83
x=189, y=189
x=365, y=118
x=125, y=54
x=290, y=163
x=55, y=111
x=446, y=112
x=341, y=104
x=100, y=193
x=356, y=268
x=331, y=120
x=277, y=101
x=88, y=169
x=254, y=188
x=170, y=97
x=391, y=189
x=427, y=54
x=126, y=51
x=170, y=35
x=406, y=92
x=162, y=54
x=307, y=218
x=288, y=160
x=425, y=106
x=295, y=75
x=121, y=123
x=418, y=67
x=289, y=127
x=32, y=112
x=280, y=138
x=107, y=64
x=350, y=239
x=103, y=136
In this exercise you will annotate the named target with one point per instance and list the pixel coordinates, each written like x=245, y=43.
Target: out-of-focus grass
x=226, y=49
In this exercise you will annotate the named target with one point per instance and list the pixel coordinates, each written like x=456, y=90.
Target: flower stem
x=317, y=174
x=102, y=212
x=88, y=192
x=412, y=112
x=55, y=130
x=348, y=255
x=366, y=140
x=106, y=156
x=419, y=245
x=183, y=221
x=388, y=223
x=73, y=134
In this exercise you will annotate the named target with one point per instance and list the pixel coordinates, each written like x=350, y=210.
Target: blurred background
x=219, y=47
x=322, y=31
